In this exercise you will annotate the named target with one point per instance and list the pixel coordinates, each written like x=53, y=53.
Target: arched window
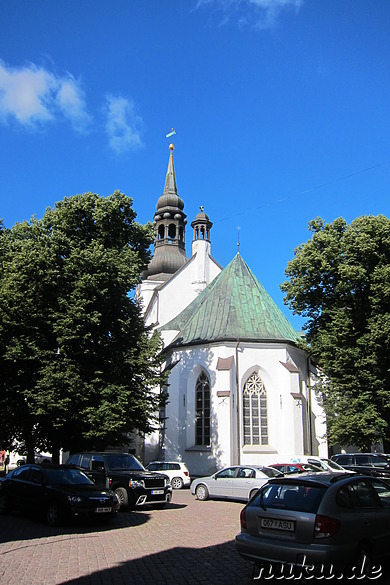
x=202, y=410
x=255, y=411
x=161, y=232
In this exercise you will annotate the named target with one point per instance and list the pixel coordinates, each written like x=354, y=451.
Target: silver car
x=319, y=523
x=239, y=482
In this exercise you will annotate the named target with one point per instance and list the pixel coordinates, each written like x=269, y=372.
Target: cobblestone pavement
x=187, y=543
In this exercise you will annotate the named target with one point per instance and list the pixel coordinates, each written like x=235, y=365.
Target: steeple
x=169, y=223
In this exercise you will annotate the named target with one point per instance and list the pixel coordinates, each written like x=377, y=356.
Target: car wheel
x=201, y=492
x=177, y=483
x=122, y=496
x=53, y=514
x=3, y=505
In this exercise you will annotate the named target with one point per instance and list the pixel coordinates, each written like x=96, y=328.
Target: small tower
x=201, y=247
x=169, y=222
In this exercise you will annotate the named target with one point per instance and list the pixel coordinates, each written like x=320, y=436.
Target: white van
x=323, y=462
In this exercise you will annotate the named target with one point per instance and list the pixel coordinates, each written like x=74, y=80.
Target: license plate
x=102, y=510
x=276, y=524
x=157, y=492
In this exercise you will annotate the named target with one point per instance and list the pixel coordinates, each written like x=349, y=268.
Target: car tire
x=201, y=492
x=3, y=505
x=122, y=496
x=53, y=514
x=177, y=483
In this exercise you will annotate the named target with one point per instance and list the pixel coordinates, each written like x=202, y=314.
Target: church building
x=240, y=390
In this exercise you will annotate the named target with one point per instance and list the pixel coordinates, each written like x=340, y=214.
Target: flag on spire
x=172, y=133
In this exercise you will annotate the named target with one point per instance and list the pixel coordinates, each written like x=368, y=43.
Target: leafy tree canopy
x=78, y=365
x=340, y=281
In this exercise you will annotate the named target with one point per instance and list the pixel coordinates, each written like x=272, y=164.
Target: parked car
x=287, y=468
x=176, y=471
x=374, y=464
x=239, y=482
x=322, y=462
x=321, y=519
x=58, y=491
x=133, y=485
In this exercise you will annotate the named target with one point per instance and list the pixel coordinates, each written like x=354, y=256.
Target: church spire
x=169, y=223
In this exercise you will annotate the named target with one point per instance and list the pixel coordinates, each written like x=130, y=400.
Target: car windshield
x=123, y=461
x=289, y=496
x=333, y=464
x=67, y=477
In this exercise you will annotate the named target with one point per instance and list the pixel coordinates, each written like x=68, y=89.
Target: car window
x=230, y=472
x=123, y=461
x=363, y=460
x=85, y=461
x=363, y=495
x=289, y=496
x=22, y=473
x=36, y=476
x=344, y=460
x=247, y=472
x=173, y=466
x=383, y=492
x=67, y=477
x=153, y=466
x=74, y=460
x=379, y=461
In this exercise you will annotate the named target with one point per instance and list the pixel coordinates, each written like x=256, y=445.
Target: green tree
x=340, y=281
x=79, y=366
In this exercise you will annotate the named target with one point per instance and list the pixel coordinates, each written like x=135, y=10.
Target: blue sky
x=281, y=110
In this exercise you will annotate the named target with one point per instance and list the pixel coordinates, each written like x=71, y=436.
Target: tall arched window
x=202, y=410
x=254, y=400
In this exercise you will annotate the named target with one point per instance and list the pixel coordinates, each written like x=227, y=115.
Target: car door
x=18, y=487
x=372, y=504
x=97, y=471
x=244, y=482
x=222, y=482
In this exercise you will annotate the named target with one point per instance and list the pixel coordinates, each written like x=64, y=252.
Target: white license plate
x=157, y=492
x=276, y=524
x=102, y=510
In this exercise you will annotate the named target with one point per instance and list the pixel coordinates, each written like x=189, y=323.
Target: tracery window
x=255, y=411
x=202, y=410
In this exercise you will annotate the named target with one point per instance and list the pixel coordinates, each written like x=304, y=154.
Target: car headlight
x=74, y=499
x=135, y=483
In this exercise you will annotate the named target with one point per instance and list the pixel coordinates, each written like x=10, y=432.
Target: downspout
x=310, y=428
x=238, y=407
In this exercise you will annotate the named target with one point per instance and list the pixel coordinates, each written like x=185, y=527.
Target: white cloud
x=31, y=95
x=123, y=125
x=261, y=14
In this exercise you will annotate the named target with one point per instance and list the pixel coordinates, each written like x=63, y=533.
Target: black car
x=58, y=491
x=133, y=485
x=374, y=464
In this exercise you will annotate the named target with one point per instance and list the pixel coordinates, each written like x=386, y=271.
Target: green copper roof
x=233, y=306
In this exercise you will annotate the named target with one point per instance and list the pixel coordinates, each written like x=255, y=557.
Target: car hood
x=135, y=474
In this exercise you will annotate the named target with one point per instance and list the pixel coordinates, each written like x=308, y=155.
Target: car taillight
x=243, y=518
x=325, y=526
x=186, y=473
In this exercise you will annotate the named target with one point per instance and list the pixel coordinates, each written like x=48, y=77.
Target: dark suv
x=124, y=474
x=374, y=464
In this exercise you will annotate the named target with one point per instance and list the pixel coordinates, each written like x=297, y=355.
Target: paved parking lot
x=187, y=542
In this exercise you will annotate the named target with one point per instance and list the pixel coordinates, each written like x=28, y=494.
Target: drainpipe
x=238, y=407
x=310, y=428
